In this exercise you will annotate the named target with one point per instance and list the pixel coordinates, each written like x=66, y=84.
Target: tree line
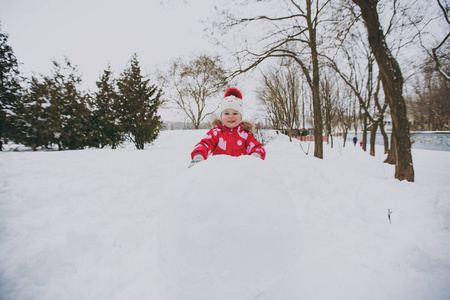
x=48, y=111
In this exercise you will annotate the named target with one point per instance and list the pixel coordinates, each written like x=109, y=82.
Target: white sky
x=93, y=33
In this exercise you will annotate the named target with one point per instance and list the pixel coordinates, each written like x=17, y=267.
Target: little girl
x=229, y=136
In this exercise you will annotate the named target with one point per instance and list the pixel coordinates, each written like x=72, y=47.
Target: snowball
x=223, y=236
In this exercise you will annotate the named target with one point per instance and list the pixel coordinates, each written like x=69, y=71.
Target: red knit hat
x=232, y=100
x=233, y=92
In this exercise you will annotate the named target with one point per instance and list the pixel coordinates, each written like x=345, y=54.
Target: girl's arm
x=206, y=146
x=255, y=147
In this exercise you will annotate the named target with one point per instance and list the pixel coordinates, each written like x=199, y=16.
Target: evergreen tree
x=68, y=112
x=32, y=116
x=9, y=89
x=138, y=105
x=54, y=111
x=105, y=117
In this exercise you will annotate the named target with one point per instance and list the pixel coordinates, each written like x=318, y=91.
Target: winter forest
x=330, y=67
x=97, y=200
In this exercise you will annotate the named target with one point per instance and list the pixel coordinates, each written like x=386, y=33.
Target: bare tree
x=360, y=80
x=392, y=80
x=190, y=85
x=430, y=105
x=346, y=111
x=293, y=34
x=444, y=6
x=353, y=60
x=330, y=96
x=280, y=94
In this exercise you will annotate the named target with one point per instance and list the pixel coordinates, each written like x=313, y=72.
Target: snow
x=106, y=224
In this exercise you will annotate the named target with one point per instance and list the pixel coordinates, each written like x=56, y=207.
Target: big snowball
x=228, y=230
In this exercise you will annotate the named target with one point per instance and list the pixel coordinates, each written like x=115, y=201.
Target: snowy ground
x=84, y=224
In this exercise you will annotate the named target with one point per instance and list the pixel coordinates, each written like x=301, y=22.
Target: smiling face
x=231, y=118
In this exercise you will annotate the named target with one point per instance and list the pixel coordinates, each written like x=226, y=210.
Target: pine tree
x=108, y=130
x=68, y=112
x=54, y=111
x=138, y=105
x=9, y=89
x=32, y=116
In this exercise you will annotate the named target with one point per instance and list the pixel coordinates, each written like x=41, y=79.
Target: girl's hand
x=256, y=155
x=198, y=158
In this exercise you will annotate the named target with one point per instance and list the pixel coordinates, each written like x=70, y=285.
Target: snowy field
x=106, y=224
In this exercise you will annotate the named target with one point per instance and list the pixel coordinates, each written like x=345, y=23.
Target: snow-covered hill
x=86, y=224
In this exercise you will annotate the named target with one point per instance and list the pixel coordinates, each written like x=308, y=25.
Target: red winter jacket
x=223, y=140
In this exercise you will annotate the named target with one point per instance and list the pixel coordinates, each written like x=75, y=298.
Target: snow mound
x=230, y=233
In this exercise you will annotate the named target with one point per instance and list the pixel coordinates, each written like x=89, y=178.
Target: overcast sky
x=93, y=33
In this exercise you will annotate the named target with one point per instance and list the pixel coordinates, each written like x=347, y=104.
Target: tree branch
x=267, y=18
x=436, y=58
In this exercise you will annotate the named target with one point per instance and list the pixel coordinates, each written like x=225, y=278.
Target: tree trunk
x=328, y=122
x=1, y=130
x=345, y=136
x=196, y=124
x=318, y=140
x=373, y=136
x=385, y=137
x=364, y=134
x=393, y=84
x=390, y=159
